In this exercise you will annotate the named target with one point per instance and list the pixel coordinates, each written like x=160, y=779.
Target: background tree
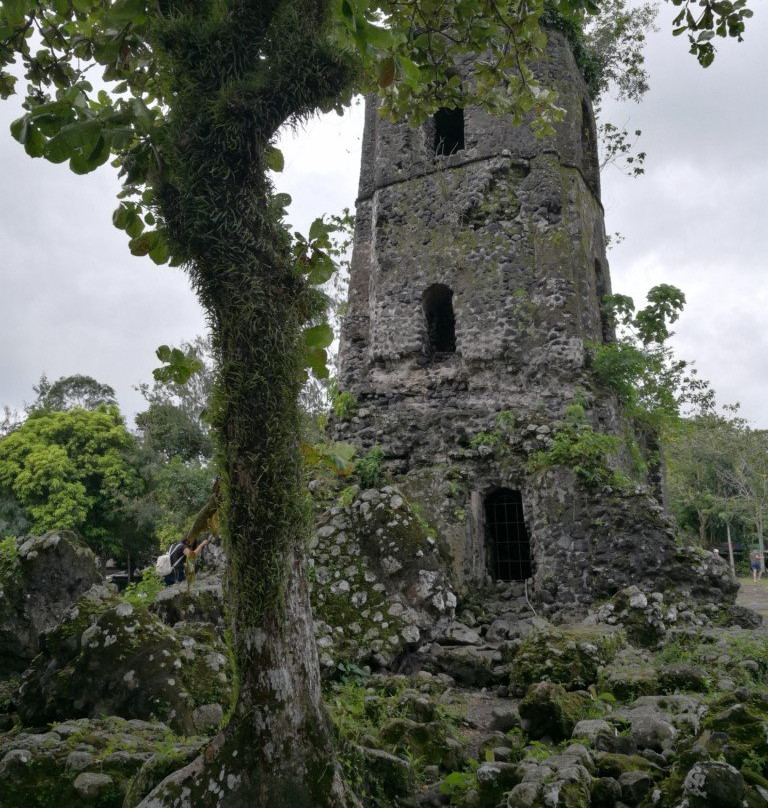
x=73, y=470
x=170, y=431
x=718, y=473
x=176, y=446
x=72, y=391
x=9, y=420
x=747, y=477
x=198, y=91
x=700, y=452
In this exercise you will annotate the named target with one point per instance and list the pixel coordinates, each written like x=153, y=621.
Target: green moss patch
x=42, y=770
x=572, y=657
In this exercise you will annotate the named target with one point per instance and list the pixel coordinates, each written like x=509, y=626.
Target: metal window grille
x=508, y=544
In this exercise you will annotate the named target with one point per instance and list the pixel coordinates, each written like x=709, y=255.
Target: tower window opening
x=440, y=320
x=509, y=547
x=449, y=130
x=601, y=288
x=590, y=164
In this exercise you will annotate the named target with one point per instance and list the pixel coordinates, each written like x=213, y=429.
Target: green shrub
x=578, y=446
x=344, y=406
x=9, y=554
x=369, y=469
x=145, y=591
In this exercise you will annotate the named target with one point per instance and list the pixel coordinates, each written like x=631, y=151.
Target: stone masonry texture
x=511, y=229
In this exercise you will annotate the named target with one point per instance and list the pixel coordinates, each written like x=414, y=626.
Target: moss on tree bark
x=215, y=200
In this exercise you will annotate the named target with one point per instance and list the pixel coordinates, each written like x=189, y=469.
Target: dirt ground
x=754, y=595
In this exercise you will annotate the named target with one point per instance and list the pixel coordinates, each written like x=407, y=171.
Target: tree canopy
x=72, y=391
x=72, y=470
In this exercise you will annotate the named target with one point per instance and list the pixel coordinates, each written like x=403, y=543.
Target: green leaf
x=322, y=270
x=15, y=11
x=127, y=11
x=281, y=200
x=318, y=229
x=120, y=217
x=386, y=72
x=146, y=243
x=161, y=253
x=380, y=38
x=28, y=134
x=85, y=163
x=119, y=138
x=7, y=84
x=316, y=359
x=318, y=336
x=74, y=140
x=179, y=368
x=274, y=159
x=163, y=353
x=409, y=69
x=135, y=226
x=20, y=129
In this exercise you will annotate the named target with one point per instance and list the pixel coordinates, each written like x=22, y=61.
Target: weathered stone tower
x=478, y=268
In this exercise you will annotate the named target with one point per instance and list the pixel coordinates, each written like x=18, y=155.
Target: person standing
x=756, y=563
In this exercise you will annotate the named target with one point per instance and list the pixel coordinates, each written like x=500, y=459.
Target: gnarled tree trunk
x=237, y=78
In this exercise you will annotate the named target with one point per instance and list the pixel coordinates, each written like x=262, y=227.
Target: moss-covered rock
x=107, y=657
x=494, y=779
x=549, y=711
x=628, y=676
x=571, y=656
x=379, y=582
x=642, y=617
x=562, y=780
x=683, y=676
x=82, y=762
x=614, y=765
x=40, y=576
x=155, y=769
x=198, y=601
x=385, y=776
x=712, y=784
x=739, y=724
x=430, y=742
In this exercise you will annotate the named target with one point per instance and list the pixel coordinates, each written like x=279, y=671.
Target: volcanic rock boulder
x=379, y=580
x=40, y=576
x=109, y=657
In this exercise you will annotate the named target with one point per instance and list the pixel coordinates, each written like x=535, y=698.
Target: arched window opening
x=449, y=130
x=590, y=165
x=601, y=288
x=509, y=548
x=441, y=323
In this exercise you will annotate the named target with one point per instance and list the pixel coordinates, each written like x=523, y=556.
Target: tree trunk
x=730, y=549
x=702, y=527
x=276, y=751
x=215, y=201
x=278, y=725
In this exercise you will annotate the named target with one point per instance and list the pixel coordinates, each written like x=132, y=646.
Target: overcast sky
x=73, y=299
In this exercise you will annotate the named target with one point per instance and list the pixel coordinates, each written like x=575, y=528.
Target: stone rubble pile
x=650, y=701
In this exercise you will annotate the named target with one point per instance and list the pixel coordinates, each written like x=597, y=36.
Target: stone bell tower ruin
x=478, y=269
